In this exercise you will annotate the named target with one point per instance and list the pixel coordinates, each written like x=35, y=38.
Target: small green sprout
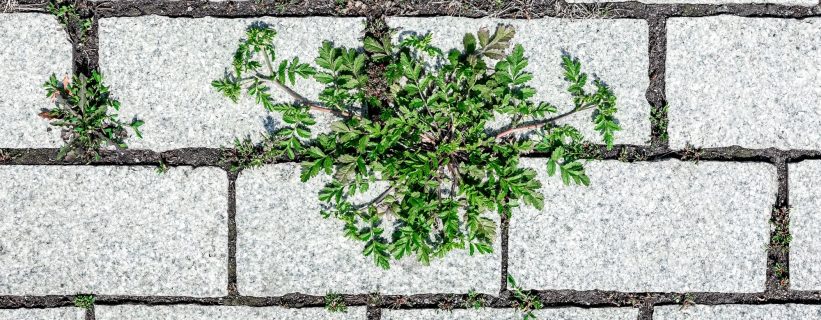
x=335, y=303
x=85, y=111
x=66, y=13
x=524, y=301
x=84, y=301
x=162, y=168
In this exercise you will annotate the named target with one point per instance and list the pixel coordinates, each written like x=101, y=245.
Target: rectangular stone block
x=512, y=314
x=805, y=225
x=737, y=311
x=613, y=50
x=284, y=245
x=161, y=70
x=43, y=314
x=648, y=226
x=34, y=47
x=113, y=230
x=192, y=312
x=751, y=82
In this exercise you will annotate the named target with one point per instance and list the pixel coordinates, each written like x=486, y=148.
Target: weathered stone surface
x=284, y=246
x=613, y=50
x=190, y=312
x=744, y=81
x=512, y=314
x=738, y=311
x=648, y=226
x=805, y=225
x=33, y=47
x=113, y=230
x=161, y=69
x=43, y=314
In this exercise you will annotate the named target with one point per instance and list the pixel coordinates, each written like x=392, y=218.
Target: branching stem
x=377, y=200
x=540, y=123
x=298, y=97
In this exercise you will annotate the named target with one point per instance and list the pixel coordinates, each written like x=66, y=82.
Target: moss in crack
x=86, y=112
x=781, y=237
x=66, y=13
x=446, y=172
x=84, y=301
x=448, y=303
x=474, y=300
x=659, y=122
x=686, y=300
x=781, y=273
x=335, y=303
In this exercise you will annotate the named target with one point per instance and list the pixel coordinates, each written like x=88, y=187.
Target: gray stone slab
x=805, y=225
x=34, y=47
x=284, y=246
x=43, y=314
x=113, y=230
x=161, y=69
x=744, y=81
x=191, y=312
x=614, y=50
x=738, y=311
x=512, y=314
x=781, y=2
x=648, y=226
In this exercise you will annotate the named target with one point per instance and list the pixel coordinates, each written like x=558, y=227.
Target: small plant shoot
x=84, y=301
x=66, y=13
x=85, y=111
x=447, y=173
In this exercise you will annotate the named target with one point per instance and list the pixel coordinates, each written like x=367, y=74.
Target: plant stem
x=377, y=200
x=298, y=97
x=540, y=123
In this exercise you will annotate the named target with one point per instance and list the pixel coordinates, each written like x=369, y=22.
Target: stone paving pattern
x=663, y=223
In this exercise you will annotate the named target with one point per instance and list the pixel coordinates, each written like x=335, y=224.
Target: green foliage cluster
x=66, y=13
x=83, y=108
x=446, y=172
x=84, y=301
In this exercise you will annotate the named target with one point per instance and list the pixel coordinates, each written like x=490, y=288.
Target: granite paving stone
x=34, y=46
x=648, y=226
x=113, y=230
x=751, y=82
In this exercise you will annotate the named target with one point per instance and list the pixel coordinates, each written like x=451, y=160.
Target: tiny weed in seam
x=524, y=301
x=474, y=300
x=659, y=120
x=85, y=110
x=781, y=236
x=162, y=168
x=446, y=171
x=686, y=300
x=335, y=303
x=448, y=303
x=66, y=13
x=84, y=301
x=691, y=153
x=781, y=273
